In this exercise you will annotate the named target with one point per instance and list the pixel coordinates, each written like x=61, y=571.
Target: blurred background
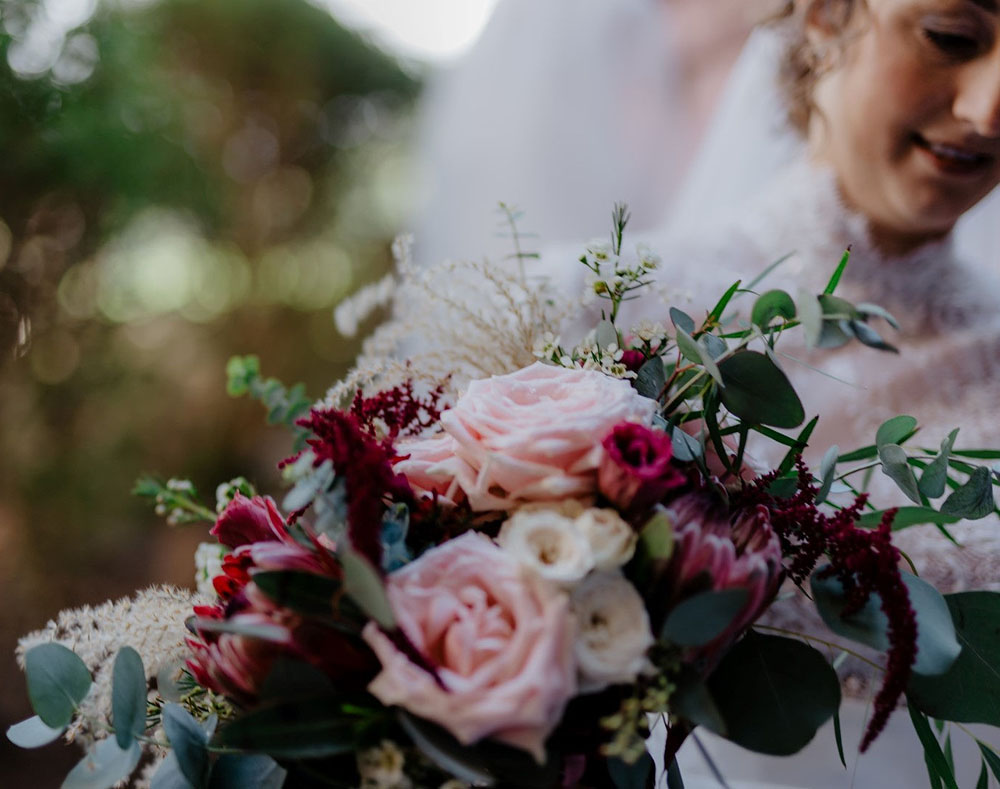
x=185, y=180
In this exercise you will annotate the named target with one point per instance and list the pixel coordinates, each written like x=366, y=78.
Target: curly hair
x=803, y=64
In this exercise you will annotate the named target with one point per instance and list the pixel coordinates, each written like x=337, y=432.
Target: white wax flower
x=208, y=564
x=381, y=767
x=613, y=633
x=547, y=539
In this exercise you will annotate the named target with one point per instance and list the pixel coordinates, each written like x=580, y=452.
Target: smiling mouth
x=954, y=159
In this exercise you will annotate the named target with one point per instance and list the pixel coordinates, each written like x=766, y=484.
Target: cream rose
x=613, y=633
x=612, y=541
x=500, y=639
x=548, y=540
x=532, y=435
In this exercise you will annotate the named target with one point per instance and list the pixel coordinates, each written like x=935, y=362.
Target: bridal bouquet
x=512, y=580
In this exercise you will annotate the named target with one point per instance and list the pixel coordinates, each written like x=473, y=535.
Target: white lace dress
x=947, y=375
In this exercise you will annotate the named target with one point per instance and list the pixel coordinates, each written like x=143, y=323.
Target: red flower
x=633, y=360
x=245, y=521
x=636, y=472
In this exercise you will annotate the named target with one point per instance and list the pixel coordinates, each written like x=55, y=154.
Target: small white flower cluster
x=613, y=278
x=349, y=314
x=649, y=332
x=588, y=355
x=381, y=767
x=176, y=515
x=582, y=550
x=208, y=564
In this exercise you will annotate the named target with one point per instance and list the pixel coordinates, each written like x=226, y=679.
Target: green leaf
x=811, y=317
x=937, y=643
x=487, y=763
x=895, y=431
x=128, y=696
x=682, y=320
x=33, y=733
x=363, y=583
x=991, y=758
x=798, y=445
x=692, y=701
x=774, y=693
x=974, y=500
x=757, y=391
x=689, y=349
x=238, y=771
x=984, y=777
x=188, y=741
x=839, y=737
x=656, y=539
x=606, y=334
x=631, y=776
x=265, y=632
x=290, y=678
x=932, y=748
x=935, y=476
x=720, y=307
x=875, y=311
x=896, y=466
x=302, y=592
x=169, y=775
x=770, y=305
x=57, y=682
x=908, y=516
x=674, y=779
x=685, y=447
x=715, y=346
x=969, y=692
x=701, y=619
x=104, y=765
x=838, y=272
x=240, y=370
x=868, y=336
x=651, y=378
x=827, y=470
x=299, y=729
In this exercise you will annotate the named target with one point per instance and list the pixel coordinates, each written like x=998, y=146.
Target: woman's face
x=909, y=115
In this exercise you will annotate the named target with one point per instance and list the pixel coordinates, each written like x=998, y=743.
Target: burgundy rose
x=636, y=472
x=246, y=521
x=633, y=360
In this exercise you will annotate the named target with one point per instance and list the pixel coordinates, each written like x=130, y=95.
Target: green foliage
x=631, y=776
x=364, y=584
x=969, y=692
x=774, y=693
x=284, y=406
x=33, y=733
x=771, y=305
x=57, y=682
x=189, y=742
x=937, y=765
x=703, y=617
x=974, y=500
x=238, y=771
x=176, y=500
x=128, y=697
x=937, y=644
x=302, y=592
x=104, y=765
x=758, y=392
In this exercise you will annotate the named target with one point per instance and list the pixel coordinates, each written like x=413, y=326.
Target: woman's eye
x=952, y=44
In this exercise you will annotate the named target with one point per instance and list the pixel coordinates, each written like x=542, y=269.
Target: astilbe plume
x=398, y=411
x=864, y=560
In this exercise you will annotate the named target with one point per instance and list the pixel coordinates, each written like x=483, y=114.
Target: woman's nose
x=978, y=99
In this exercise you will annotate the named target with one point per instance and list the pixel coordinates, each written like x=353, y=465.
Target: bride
x=873, y=124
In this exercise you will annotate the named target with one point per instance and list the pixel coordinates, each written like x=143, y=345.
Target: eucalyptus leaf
x=716, y=346
x=937, y=643
x=309, y=487
x=832, y=334
x=247, y=771
x=682, y=320
x=692, y=701
x=651, y=378
x=33, y=733
x=896, y=467
x=770, y=305
x=168, y=683
x=811, y=316
x=991, y=758
x=689, y=348
x=969, y=692
x=827, y=470
x=774, y=693
x=908, y=516
x=128, y=696
x=836, y=308
x=169, y=775
x=606, y=334
x=974, y=500
x=265, y=632
x=935, y=477
x=104, y=765
x=674, y=778
x=875, y=311
x=57, y=682
x=868, y=336
x=702, y=618
x=757, y=391
x=188, y=741
x=895, y=430
x=685, y=447
x=364, y=585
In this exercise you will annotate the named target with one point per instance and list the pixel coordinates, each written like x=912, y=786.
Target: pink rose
x=501, y=641
x=533, y=435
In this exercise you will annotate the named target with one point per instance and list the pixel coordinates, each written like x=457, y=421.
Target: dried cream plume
x=152, y=623
x=454, y=322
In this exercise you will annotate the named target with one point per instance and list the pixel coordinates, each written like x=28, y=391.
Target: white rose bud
x=546, y=539
x=612, y=541
x=613, y=633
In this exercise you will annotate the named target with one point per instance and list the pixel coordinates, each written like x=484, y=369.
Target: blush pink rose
x=500, y=639
x=532, y=435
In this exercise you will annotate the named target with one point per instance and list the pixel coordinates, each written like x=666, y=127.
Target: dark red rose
x=636, y=472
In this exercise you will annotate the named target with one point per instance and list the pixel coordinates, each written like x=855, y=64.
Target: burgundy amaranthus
x=400, y=410
x=864, y=560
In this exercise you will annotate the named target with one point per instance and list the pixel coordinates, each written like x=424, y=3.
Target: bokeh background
x=180, y=181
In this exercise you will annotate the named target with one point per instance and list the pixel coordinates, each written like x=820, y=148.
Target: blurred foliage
x=181, y=181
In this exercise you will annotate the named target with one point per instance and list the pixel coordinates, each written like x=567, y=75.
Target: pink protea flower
x=714, y=550
x=246, y=521
x=636, y=471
